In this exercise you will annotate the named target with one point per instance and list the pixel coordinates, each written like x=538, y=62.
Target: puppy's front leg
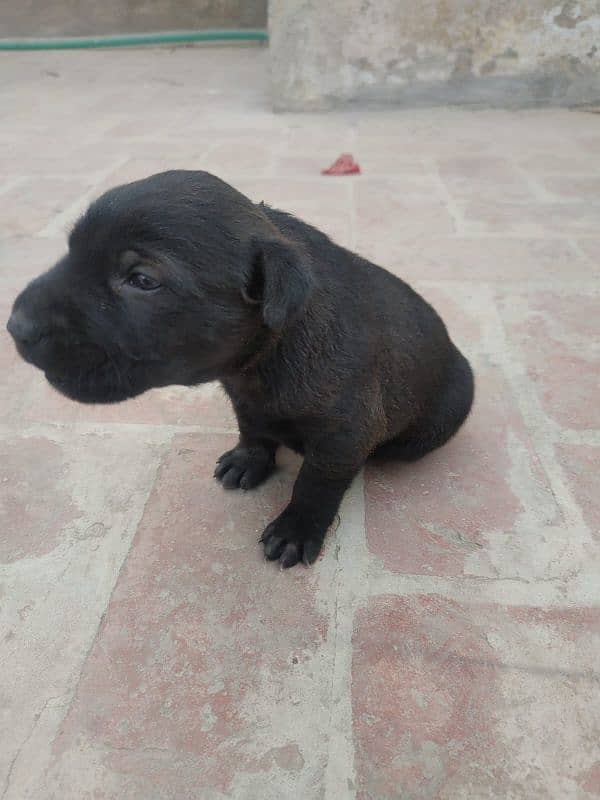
x=250, y=462
x=298, y=532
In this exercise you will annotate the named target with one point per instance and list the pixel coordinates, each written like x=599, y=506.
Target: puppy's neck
x=253, y=354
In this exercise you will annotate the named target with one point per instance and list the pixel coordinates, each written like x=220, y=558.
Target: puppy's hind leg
x=442, y=421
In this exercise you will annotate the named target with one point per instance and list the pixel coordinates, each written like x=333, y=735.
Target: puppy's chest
x=283, y=431
x=263, y=415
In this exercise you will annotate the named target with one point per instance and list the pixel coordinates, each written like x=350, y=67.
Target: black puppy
x=180, y=279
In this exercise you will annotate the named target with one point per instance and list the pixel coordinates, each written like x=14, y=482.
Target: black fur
x=317, y=348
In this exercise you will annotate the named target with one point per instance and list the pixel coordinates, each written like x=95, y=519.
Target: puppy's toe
x=231, y=478
x=291, y=555
x=272, y=543
x=226, y=456
x=244, y=468
x=286, y=540
x=311, y=550
x=255, y=474
x=224, y=464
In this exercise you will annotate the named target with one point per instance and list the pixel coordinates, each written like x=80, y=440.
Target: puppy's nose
x=23, y=329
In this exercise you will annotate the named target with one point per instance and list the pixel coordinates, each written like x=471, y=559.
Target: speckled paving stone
x=581, y=463
x=591, y=249
x=23, y=258
x=557, y=337
x=414, y=206
x=483, y=177
x=530, y=219
x=443, y=258
x=16, y=374
x=318, y=201
x=208, y=677
x=482, y=504
x=32, y=470
x=28, y=206
x=457, y=701
x=69, y=506
x=571, y=188
x=205, y=404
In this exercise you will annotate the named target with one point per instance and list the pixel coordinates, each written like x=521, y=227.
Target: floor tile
x=454, y=700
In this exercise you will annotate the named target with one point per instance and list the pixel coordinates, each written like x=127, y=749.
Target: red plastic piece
x=344, y=165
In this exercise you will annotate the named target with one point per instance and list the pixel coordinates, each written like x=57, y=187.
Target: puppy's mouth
x=103, y=383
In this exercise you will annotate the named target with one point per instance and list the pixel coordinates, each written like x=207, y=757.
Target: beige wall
x=96, y=17
x=503, y=52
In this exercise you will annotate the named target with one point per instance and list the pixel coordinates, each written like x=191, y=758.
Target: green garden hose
x=132, y=39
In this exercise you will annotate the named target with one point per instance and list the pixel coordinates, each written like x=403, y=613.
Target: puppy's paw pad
x=244, y=468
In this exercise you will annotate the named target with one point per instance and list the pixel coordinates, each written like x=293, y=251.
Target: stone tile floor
x=447, y=643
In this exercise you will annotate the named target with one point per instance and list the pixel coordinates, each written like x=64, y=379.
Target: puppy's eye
x=141, y=281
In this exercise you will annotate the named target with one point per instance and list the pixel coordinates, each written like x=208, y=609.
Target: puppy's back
x=393, y=336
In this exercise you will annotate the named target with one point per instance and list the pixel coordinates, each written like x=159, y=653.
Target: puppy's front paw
x=244, y=467
x=291, y=539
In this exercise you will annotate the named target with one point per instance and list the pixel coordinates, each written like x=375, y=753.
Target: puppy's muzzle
x=30, y=335
x=24, y=330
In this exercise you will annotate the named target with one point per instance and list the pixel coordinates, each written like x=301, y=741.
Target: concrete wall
x=497, y=52
x=88, y=17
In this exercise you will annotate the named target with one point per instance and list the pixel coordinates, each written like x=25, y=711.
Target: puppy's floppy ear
x=280, y=281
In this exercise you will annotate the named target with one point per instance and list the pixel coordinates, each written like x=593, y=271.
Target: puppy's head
x=177, y=278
